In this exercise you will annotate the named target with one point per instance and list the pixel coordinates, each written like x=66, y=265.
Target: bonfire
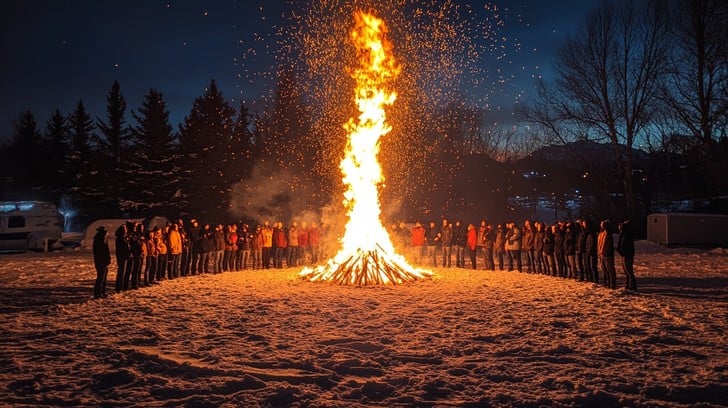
x=367, y=255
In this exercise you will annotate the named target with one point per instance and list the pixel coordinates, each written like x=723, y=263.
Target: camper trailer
x=29, y=225
x=690, y=229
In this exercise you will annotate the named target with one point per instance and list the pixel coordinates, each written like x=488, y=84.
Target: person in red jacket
x=314, y=241
x=280, y=244
x=418, y=242
x=472, y=244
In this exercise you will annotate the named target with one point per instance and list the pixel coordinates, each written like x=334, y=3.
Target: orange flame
x=365, y=235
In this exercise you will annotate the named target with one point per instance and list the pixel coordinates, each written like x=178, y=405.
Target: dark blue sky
x=56, y=52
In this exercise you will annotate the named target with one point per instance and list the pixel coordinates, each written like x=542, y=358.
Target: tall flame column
x=367, y=255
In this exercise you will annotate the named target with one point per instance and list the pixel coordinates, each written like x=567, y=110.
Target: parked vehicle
x=29, y=225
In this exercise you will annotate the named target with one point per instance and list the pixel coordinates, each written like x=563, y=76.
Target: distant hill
x=578, y=154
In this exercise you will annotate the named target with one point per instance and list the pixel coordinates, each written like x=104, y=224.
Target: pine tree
x=112, y=146
x=56, y=150
x=27, y=169
x=241, y=146
x=83, y=183
x=205, y=137
x=289, y=143
x=154, y=177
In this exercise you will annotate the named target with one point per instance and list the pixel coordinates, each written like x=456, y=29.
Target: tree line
x=647, y=76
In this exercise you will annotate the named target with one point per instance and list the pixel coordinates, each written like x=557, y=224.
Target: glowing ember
x=367, y=255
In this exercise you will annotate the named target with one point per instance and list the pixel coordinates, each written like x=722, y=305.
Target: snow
x=463, y=338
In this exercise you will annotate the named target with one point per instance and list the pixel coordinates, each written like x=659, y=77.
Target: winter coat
x=625, y=243
x=447, y=236
x=231, y=240
x=279, y=238
x=538, y=237
x=293, y=237
x=513, y=242
x=569, y=243
x=267, y=237
x=102, y=256
x=418, y=236
x=314, y=237
x=459, y=236
x=482, y=231
x=175, y=242
x=548, y=243
x=472, y=239
x=527, y=242
x=122, y=244
x=219, y=239
x=500, y=240
x=605, y=243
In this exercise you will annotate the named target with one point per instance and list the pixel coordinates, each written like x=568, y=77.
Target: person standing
x=256, y=248
x=459, y=242
x=231, y=239
x=447, y=237
x=538, y=238
x=513, y=246
x=123, y=254
x=570, y=251
x=500, y=245
x=294, y=256
x=590, y=252
x=195, y=247
x=527, y=246
x=625, y=247
x=471, y=243
x=102, y=259
x=175, y=251
x=488, y=248
x=162, y=249
x=314, y=241
x=605, y=251
x=432, y=239
x=267, y=245
x=418, y=242
x=185, y=256
x=480, y=244
x=280, y=245
x=207, y=249
x=548, y=250
x=150, y=269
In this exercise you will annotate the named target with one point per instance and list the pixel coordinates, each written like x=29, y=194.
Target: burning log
x=372, y=267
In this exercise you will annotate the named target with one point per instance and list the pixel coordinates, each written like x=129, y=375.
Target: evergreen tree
x=56, y=150
x=112, y=144
x=205, y=137
x=27, y=169
x=241, y=146
x=154, y=178
x=83, y=187
x=289, y=143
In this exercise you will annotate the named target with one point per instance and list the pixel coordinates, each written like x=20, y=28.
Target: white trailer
x=29, y=225
x=688, y=229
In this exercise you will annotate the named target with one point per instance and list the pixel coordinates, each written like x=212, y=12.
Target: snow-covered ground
x=463, y=338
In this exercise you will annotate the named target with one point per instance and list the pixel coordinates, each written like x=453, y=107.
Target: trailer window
x=16, y=221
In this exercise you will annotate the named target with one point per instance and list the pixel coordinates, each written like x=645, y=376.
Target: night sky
x=57, y=52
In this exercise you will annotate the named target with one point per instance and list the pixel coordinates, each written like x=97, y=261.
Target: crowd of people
x=563, y=249
x=146, y=257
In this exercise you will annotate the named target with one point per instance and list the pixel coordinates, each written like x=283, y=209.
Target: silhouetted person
x=605, y=251
x=625, y=247
x=123, y=253
x=102, y=259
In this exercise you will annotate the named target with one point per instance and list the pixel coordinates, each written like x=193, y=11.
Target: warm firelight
x=367, y=255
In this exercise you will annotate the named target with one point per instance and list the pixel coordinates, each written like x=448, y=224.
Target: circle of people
x=563, y=249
